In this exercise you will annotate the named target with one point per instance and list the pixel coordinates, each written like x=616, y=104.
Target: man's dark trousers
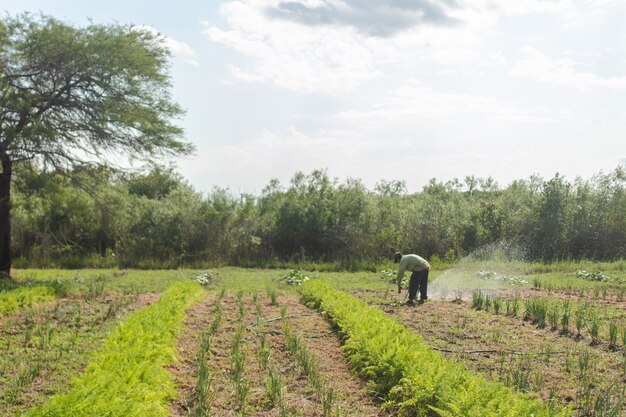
x=419, y=279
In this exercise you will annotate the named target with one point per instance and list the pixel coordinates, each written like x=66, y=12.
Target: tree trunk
x=5, y=215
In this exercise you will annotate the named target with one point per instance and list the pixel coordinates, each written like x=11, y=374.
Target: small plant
x=238, y=365
x=566, y=316
x=620, y=294
x=584, y=355
x=520, y=377
x=536, y=311
x=609, y=401
x=597, y=276
x=554, y=317
x=536, y=283
x=295, y=278
x=612, y=335
x=497, y=305
x=580, y=321
x=328, y=402
x=594, y=326
x=478, y=300
x=274, y=387
x=568, y=361
x=242, y=392
x=273, y=299
x=515, y=305
x=488, y=302
x=240, y=305
x=238, y=336
x=546, y=350
x=204, y=278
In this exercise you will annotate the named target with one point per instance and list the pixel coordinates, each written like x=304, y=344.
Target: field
x=494, y=338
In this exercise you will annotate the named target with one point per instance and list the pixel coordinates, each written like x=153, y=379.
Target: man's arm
x=401, y=269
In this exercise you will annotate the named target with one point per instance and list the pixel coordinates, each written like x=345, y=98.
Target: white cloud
x=291, y=55
x=318, y=52
x=177, y=48
x=538, y=66
x=597, y=3
x=415, y=102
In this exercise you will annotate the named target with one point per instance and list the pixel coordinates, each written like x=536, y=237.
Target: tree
x=73, y=95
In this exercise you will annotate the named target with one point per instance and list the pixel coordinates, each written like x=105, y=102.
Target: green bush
x=407, y=374
x=127, y=377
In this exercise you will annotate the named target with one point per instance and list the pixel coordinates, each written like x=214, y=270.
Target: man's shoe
x=410, y=303
x=421, y=301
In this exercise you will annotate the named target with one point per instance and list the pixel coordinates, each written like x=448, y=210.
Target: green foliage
x=295, y=277
x=155, y=219
x=13, y=300
x=74, y=96
x=595, y=276
x=127, y=377
x=410, y=377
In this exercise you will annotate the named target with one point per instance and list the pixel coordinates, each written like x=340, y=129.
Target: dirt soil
x=542, y=362
x=301, y=398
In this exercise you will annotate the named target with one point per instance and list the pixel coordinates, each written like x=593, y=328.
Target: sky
x=386, y=90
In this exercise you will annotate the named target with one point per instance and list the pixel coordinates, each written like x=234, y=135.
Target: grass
x=13, y=300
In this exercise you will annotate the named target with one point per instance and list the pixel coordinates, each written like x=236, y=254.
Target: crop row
x=12, y=301
x=406, y=373
x=556, y=314
x=127, y=377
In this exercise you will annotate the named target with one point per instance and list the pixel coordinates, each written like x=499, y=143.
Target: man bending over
x=419, y=278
